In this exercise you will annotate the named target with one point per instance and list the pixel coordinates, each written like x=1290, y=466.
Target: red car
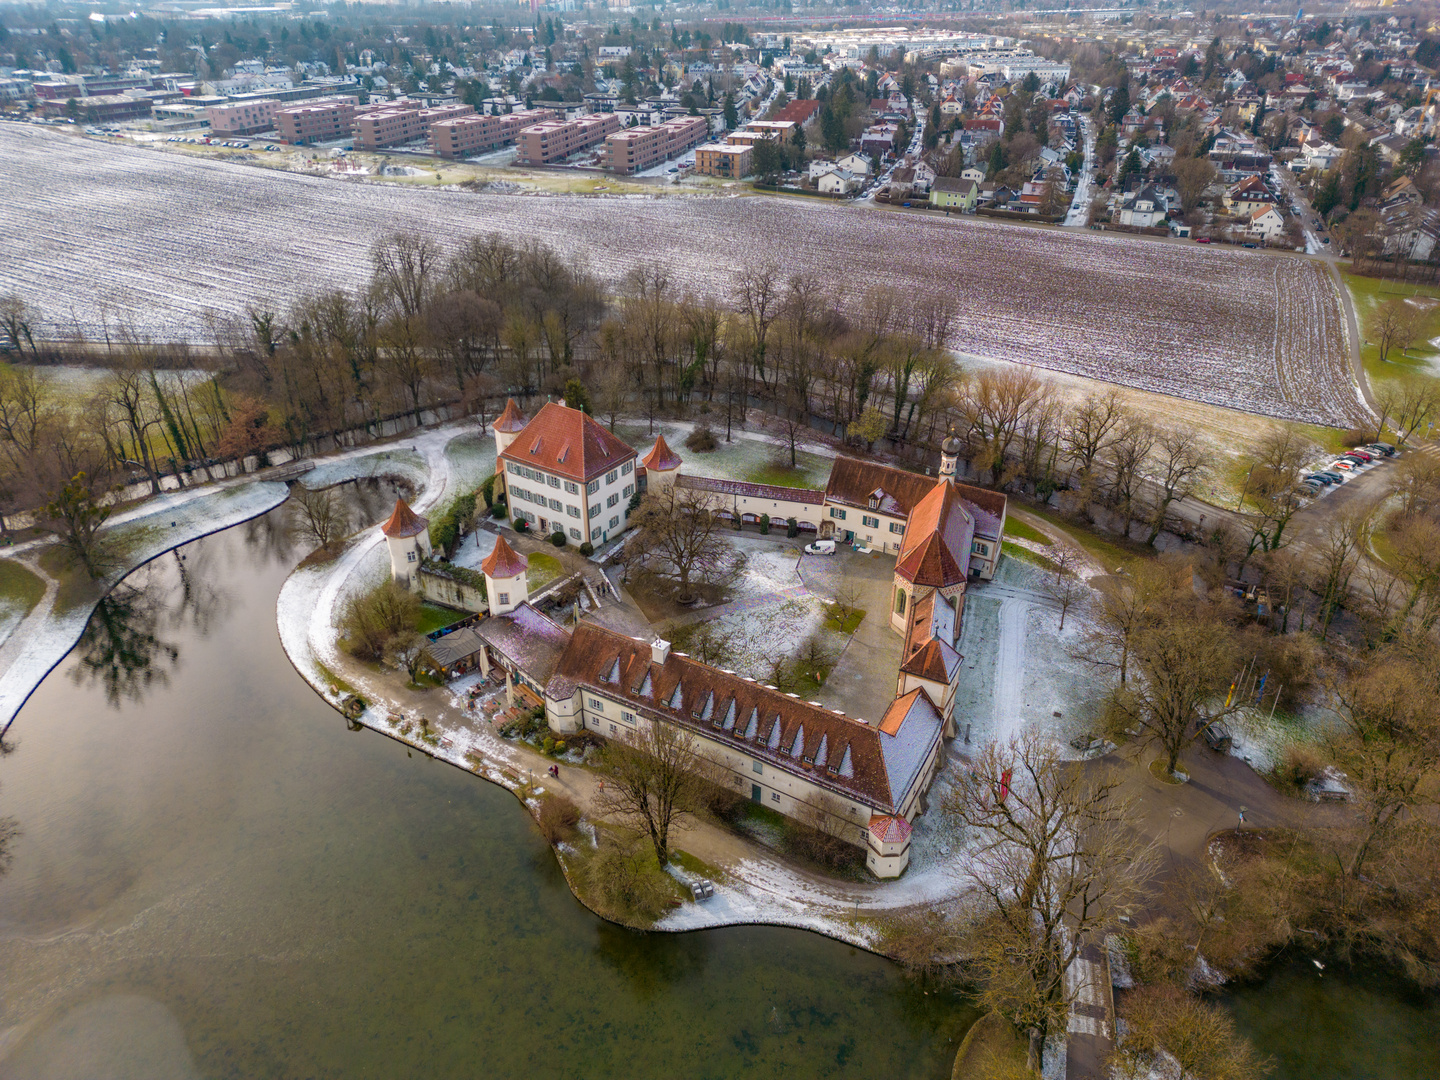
x=1202, y=239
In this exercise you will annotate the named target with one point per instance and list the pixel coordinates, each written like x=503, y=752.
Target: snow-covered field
x=104, y=231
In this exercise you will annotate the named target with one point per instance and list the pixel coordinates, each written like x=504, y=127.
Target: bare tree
x=16, y=323
x=1389, y=749
x=1129, y=450
x=1393, y=325
x=758, y=298
x=1185, y=652
x=654, y=781
x=1334, y=559
x=1183, y=462
x=1199, y=1035
x=1269, y=488
x=681, y=527
x=1057, y=860
x=408, y=650
x=317, y=516
x=1064, y=585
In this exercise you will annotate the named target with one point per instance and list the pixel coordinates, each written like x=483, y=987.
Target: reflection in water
x=122, y=648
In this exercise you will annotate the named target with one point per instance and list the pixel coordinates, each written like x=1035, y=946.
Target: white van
x=820, y=547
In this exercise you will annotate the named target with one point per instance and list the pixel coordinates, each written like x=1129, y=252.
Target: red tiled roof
x=889, y=829
x=568, y=443
x=797, y=111
x=928, y=662
x=937, y=539
x=404, y=521
x=661, y=457
x=504, y=561
x=807, y=740
x=512, y=419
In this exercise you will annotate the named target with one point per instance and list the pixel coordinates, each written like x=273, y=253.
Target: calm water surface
x=216, y=878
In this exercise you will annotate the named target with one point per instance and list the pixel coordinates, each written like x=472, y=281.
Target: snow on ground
x=404, y=464
x=471, y=458
x=1020, y=668
x=736, y=460
x=35, y=645
x=1261, y=739
x=475, y=547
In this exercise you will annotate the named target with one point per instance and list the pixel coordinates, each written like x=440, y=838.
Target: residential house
x=1249, y=195
x=1144, y=208
x=838, y=182
x=857, y=164
x=1266, y=223
x=954, y=193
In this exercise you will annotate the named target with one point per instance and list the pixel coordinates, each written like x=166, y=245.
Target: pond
x=1339, y=1023
x=216, y=878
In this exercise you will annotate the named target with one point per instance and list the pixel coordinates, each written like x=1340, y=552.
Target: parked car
x=1354, y=459
x=1343, y=466
x=1334, y=476
x=1202, y=240
x=1249, y=245
x=1363, y=454
x=820, y=547
x=1381, y=448
x=1319, y=478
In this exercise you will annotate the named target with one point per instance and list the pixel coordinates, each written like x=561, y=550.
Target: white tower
x=407, y=536
x=508, y=425
x=662, y=466
x=949, y=456
x=505, y=584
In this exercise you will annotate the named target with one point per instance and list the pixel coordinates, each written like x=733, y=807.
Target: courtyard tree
x=653, y=782
x=1057, y=859
x=408, y=650
x=680, y=529
x=1064, y=585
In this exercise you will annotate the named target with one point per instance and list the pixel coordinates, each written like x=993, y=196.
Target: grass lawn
x=780, y=475
x=433, y=617
x=76, y=587
x=1421, y=358
x=1015, y=551
x=1022, y=531
x=543, y=570
x=846, y=626
x=992, y=1046
x=1106, y=551
x=20, y=589
x=690, y=864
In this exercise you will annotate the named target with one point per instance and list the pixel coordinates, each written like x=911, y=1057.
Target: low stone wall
x=450, y=591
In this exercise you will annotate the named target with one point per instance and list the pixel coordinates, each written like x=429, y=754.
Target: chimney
x=659, y=651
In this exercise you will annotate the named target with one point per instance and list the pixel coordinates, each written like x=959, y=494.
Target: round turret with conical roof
x=407, y=536
x=508, y=425
x=505, y=572
x=662, y=466
x=950, y=455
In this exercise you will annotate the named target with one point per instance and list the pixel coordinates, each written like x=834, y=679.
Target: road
x=1079, y=215
x=1292, y=195
x=917, y=141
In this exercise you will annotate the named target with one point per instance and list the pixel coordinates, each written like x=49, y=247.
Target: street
x=1079, y=215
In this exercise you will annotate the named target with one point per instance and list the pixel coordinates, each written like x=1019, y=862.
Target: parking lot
x=1363, y=488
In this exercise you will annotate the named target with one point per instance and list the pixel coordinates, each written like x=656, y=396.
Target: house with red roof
x=565, y=473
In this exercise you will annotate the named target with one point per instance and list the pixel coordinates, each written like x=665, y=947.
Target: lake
x=215, y=877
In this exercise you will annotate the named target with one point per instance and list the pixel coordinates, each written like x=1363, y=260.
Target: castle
x=865, y=781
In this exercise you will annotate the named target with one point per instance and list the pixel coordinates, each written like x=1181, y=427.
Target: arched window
x=899, y=601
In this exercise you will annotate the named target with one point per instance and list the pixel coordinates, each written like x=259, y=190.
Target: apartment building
x=474, y=134
x=317, y=122
x=637, y=149
x=782, y=131
x=245, y=118
x=731, y=162
x=556, y=140
x=400, y=122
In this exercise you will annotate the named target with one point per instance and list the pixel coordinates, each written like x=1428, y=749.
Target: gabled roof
x=936, y=548
x=661, y=457
x=404, y=521
x=934, y=661
x=504, y=561
x=512, y=419
x=568, y=443
x=810, y=741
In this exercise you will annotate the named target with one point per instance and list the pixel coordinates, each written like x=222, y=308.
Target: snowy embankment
x=32, y=647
